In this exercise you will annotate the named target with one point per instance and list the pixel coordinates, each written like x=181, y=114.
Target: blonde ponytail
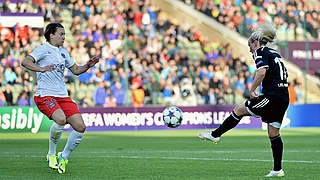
x=265, y=33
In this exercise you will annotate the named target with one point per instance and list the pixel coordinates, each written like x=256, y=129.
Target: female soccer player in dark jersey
x=272, y=104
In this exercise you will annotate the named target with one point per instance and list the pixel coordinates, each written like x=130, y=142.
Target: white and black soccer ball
x=172, y=116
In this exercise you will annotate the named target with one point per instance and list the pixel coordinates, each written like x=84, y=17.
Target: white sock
x=54, y=137
x=73, y=141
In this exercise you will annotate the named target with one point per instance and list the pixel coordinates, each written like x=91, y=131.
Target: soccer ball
x=172, y=116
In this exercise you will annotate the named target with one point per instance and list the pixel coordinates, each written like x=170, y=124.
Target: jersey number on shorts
x=49, y=103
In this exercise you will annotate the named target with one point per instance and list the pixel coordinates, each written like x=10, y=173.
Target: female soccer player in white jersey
x=272, y=104
x=49, y=61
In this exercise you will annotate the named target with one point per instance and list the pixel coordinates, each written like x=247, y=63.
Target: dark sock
x=277, y=149
x=228, y=124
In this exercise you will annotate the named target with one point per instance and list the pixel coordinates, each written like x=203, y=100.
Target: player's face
x=58, y=37
x=252, y=45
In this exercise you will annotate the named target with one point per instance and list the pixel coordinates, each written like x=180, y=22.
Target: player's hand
x=253, y=95
x=93, y=61
x=48, y=68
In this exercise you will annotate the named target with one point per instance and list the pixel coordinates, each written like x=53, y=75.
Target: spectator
x=1, y=49
x=119, y=93
x=97, y=36
x=137, y=95
x=114, y=34
x=2, y=99
x=240, y=85
x=246, y=93
x=97, y=77
x=100, y=94
x=6, y=6
x=23, y=100
x=10, y=76
x=84, y=102
x=6, y=48
x=220, y=98
x=110, y=102
x=167, y=93
x=86, y=77
x=2, y=76
x=8, y=95
x=292, y=94
x=212, y=97
x=26, y=78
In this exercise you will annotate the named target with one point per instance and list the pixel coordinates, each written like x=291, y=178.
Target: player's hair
x=51, y=29
x=265, y=33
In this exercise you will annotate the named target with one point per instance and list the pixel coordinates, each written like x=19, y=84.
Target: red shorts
x=49, y=104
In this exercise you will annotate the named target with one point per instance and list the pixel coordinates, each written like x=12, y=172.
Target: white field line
x=201, y=151
x=175, y=151
x=204, y=159
x=168, y=158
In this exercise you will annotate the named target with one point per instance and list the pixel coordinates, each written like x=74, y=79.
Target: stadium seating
x=193, y=47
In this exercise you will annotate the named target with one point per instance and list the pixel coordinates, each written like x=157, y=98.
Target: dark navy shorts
x=269, y=110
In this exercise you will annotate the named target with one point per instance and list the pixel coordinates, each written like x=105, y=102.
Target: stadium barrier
x=297, y=54
x=30, y=119
x=304, y=115
x=34, y=20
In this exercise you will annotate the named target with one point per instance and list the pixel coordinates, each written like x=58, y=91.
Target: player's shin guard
x=228, y=124
x=277, y=150
x=54, y=137
x=73, y=141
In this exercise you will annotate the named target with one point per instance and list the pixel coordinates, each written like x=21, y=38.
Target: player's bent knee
x=81, y=129
x=240, y=110
x=59, y=117
x=61, y=122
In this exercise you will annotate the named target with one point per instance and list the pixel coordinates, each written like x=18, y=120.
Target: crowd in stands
x=288, y=16
x=164, y=61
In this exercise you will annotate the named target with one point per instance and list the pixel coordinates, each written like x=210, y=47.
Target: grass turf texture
x=173, y=155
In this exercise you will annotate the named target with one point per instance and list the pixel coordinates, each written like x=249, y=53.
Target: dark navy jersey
x=275, y=82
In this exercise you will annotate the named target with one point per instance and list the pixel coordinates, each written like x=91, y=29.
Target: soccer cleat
x=52, y=161
x=274, y=173
x=61, y=163
x=207, y=136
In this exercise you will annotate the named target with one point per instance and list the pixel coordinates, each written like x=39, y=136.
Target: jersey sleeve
x=38, y=53
x=69, y=61
x=261, y=58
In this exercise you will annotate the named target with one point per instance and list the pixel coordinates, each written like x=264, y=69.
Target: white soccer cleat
x=207, y=136
x=273, y=173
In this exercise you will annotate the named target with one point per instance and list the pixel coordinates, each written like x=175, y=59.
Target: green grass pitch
x=166, y=154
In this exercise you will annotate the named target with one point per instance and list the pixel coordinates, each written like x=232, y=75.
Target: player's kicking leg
x=207, y=136
x=228, y=124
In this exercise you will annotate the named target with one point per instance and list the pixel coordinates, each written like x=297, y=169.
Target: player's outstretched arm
x=28, y=63
x=75, y=69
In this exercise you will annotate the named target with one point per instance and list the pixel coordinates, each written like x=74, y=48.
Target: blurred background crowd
x=288, y=16
x=147, y=58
